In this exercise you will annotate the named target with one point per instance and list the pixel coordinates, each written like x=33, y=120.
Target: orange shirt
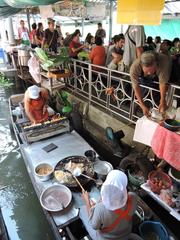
x=98, y=56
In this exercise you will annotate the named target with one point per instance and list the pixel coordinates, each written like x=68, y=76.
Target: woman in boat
x=111, y=218
x=35, y=104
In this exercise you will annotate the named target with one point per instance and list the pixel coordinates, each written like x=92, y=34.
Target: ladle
x=77, y=172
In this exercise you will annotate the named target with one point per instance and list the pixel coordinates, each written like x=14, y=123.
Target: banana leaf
x=48, y=62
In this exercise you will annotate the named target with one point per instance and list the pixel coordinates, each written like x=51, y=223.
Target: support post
x=28, y=19
x=110, y=18
x=10, y=31
x=82, y=28
x=3, y=32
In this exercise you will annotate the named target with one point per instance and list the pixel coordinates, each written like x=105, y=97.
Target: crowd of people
x=146, y=60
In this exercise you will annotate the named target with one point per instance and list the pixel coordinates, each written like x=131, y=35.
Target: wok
x=88, y=169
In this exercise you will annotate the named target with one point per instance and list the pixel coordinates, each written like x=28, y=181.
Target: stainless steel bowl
x=44, y=175
x=102, y=168
x=55, y=198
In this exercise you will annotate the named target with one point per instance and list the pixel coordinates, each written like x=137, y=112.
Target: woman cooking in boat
x=35, y=103
x=111, y=218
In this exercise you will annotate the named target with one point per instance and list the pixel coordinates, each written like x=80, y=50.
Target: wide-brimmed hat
x=34, y=92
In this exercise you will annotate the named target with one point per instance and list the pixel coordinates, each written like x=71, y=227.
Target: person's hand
x=162, y=107
x=146, y=111
x=85, y=196
x=44, y=109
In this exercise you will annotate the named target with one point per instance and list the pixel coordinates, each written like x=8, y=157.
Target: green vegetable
x=4, y=82
x=48, y=62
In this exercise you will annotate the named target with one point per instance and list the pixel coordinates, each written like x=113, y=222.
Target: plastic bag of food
x=34, y=69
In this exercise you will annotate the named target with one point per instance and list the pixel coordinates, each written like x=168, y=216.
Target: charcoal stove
x=32, y=133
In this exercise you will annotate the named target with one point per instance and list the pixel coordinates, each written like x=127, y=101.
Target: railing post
x=90, y=82
x=170, y=95
x=131, y=110
x=75, y=76
x=108, y=86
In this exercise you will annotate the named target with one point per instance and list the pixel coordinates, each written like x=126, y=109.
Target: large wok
x=88, y=170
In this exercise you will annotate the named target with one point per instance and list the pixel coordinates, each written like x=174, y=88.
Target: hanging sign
x=139, y=12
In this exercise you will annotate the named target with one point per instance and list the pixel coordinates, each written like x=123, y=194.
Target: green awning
x=169, y=29
x=6, y=10
x=28, y=3
x=11, y=7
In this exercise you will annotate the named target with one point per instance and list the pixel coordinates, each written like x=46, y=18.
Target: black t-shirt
x=51, y=39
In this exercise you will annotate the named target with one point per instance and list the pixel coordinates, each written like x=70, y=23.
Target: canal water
x=20, y=206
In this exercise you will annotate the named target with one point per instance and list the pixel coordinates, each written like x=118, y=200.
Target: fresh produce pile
x=50, y=62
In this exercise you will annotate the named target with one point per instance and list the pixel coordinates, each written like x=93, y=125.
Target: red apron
x=121, y=214
x=36, y=109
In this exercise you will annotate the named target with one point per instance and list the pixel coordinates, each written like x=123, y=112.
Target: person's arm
x=138, y=95
x=77, y=49
x=85, y=196
x=103, y=34
x=27, y=108
x=163, y=89
x=45, y=95
x=135, y=73
x=139, y=51
x=139, y=40
x=44, y=40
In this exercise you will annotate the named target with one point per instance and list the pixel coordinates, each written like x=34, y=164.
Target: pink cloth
x=166, y=145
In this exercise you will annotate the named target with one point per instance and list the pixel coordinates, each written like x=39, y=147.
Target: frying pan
x=88, y=169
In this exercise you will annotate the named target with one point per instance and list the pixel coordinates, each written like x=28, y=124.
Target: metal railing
x=92, y=82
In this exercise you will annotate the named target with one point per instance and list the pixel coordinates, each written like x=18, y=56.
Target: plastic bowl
x=172, y=125
x=44, y=171
x=159, y=180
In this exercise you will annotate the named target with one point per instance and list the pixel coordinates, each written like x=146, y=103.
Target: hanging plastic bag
x=34, y=69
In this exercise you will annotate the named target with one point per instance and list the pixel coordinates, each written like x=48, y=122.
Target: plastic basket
x=149, y=229
x=161, y=176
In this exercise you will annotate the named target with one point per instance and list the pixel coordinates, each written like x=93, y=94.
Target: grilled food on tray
x=53, y=119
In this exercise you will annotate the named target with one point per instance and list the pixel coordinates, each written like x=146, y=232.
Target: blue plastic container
x=153, y=230
x=2, y=56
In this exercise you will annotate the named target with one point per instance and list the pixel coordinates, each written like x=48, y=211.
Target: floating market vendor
x=35, y=103
x=150, y=68
x=111, y=218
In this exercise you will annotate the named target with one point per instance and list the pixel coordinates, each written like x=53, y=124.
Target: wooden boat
x=3, y=230
x=66, y=221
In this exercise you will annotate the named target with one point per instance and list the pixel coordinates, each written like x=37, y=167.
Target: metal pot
x=91, y=155
x=102, y=168
x=23, y=57
x=46, y=174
